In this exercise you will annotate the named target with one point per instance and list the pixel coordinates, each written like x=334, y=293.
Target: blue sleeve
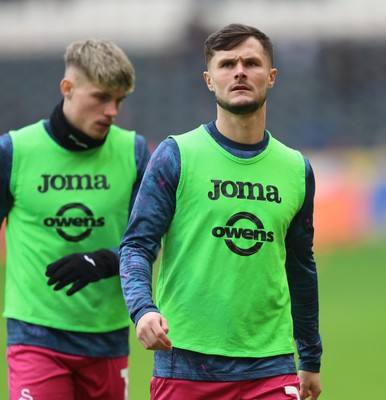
x=142, y=156
x=6, y=198
x=303, y=281
x=150, y=218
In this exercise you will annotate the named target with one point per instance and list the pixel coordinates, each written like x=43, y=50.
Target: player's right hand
x=152, y=329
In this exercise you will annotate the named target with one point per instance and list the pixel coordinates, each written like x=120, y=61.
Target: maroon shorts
x=35, y=373
x=282, y=387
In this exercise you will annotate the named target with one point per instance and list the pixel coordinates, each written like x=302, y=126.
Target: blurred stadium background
x=329, y=101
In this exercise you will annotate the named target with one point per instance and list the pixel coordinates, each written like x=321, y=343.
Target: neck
x=246, y=129
x=67, y=135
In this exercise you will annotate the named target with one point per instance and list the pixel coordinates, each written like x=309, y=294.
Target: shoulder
x=167, y=146
x=140, y=141
x=27, y=130
x=126, y=134
x=26, y=136
x=5, y=140
x=117, y=131
x=167, y=153
x=6, y=148
x=310, y=177
x=286, y=153
x=283, y=147
x=190, y=136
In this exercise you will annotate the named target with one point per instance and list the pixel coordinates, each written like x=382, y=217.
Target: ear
x=272, y=77
x=66, y=87
x=208, y=80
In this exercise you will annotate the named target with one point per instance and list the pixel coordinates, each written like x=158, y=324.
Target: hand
x=152, y=329
x=309, y=385
x=81, y=269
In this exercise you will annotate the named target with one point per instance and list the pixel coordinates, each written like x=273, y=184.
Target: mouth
x=104, y=124
x=240, y=88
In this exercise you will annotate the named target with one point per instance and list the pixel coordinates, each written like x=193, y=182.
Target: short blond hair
x=103, y=63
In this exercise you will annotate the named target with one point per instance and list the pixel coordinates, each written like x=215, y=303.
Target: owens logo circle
x=72, y=218
x=231, y=233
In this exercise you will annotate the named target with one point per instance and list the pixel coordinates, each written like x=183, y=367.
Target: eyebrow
x=106, y=92
x=226, y=59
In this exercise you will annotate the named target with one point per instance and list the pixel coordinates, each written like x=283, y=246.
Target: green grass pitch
x=353, y=327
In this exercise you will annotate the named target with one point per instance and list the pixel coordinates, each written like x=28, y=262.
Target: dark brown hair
x=232, y=35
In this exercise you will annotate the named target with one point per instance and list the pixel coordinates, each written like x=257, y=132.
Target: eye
x=251, y=64
x=105, y=97
x=101, y=97
x=227, y=64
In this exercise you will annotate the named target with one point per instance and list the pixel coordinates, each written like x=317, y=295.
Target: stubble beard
x=244, y=108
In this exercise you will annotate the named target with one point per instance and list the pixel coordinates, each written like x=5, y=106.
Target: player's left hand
x=310, y=386
x=81, y=269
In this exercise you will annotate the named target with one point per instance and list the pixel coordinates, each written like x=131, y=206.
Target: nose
x=112, y=109
x=240, y=71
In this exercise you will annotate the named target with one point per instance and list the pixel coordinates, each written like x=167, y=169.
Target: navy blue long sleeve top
x=152, y=214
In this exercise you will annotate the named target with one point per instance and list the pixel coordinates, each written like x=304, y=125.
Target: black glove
x=81, y=269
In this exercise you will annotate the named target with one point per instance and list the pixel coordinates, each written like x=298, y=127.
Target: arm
x=6, y=198
x=303, y=285
x=151, y=216
x=142, y=157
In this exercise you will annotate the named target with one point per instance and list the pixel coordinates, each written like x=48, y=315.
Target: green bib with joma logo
x=222, y=282
x=66, y=202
